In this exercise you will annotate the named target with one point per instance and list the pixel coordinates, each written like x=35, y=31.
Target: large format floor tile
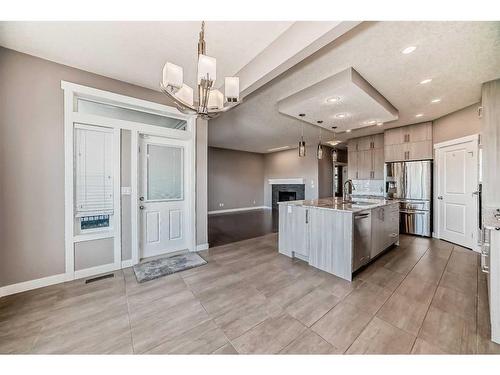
x=425, y=296
x=380, y=337
x=270, y=336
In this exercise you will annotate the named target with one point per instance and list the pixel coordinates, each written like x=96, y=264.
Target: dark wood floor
x=237, y=226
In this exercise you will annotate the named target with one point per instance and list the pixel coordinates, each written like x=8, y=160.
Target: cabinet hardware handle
x=307, y=216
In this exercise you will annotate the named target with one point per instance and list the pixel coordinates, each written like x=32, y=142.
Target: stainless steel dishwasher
x=362, y=237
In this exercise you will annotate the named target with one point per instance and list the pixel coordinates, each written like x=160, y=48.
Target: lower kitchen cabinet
x=330, y=242
x=385, y=228
x=294, y=231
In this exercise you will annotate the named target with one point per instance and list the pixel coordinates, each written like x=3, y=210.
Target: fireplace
x=287, y=196
x=286, y=192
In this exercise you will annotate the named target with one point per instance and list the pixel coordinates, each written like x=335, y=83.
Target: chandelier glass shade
x=209, y=102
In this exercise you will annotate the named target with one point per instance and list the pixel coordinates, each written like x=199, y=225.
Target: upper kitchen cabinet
x=412, y=142
x=366, y=158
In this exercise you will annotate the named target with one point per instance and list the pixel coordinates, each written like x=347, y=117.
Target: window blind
x=93, y=171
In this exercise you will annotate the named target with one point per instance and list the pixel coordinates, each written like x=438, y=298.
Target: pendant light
x=319, y=151
x=334, y=152
x=302, y=144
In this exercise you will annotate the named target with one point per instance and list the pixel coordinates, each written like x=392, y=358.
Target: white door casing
x=457, y=180
x=162, y=202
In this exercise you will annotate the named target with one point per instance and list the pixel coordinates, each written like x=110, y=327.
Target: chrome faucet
x=347, y=196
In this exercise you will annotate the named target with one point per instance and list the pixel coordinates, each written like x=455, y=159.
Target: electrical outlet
x=254, y=202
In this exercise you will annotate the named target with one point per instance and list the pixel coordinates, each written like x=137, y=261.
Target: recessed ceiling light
x=380, y=123
x=278, y=148
x=437, y=100
x=419, y=115
x=427, y=80
x=348, y=131
x=341, y=115
x=334, y=99
x=408, y=50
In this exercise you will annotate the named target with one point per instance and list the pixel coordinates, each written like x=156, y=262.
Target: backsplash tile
x=368, y=187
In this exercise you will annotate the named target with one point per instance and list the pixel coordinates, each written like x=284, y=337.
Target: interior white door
x=457, y=176
x=162, y=202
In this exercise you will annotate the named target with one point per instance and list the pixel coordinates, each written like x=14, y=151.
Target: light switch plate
x=126, y=190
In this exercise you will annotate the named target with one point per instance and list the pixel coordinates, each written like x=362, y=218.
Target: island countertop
x=338, y=204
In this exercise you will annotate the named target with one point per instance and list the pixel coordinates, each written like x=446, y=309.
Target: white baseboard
x=32, y=284
x=203, y=246
x=127, y=263
x=93, y=271
x=239, y=209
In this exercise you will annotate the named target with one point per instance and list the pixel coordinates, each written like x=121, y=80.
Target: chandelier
x=210, y=102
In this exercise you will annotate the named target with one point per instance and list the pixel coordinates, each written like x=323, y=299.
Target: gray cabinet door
x=393, y=136
x=330, y=249
x=365, y=165
x=378, y=231
x=300, y=225
x=378, y=164
x=420, y=150
x=352, y=165
x=286, y=233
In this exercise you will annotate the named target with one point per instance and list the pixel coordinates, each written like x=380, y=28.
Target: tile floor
x=425, y=296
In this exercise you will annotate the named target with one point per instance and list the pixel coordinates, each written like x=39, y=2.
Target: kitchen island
x=337, y=236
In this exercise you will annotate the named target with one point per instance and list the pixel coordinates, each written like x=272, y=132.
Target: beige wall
x=32, y=162
x=288, y=164
x=456, y=124
x=234, y=179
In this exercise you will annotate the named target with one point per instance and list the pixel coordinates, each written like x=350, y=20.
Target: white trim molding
x=97, y=270
x=239, y=209
x=32, y=284
x=286, y=181
x=201, y=247
x=452, y=142
x=127, y=263
x=74, y=91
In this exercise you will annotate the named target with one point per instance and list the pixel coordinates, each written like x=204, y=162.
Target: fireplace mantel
x=286, y=181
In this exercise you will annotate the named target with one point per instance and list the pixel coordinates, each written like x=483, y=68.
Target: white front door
x=162, y=201
x=457, y=176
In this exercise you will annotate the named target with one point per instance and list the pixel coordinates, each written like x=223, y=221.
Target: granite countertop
x=337, y=204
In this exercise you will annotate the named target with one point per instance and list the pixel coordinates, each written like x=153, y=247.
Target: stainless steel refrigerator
x=411, y=184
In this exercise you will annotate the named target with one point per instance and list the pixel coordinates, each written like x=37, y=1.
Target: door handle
x=141, y=199
x=440, y=197
x=141, y=207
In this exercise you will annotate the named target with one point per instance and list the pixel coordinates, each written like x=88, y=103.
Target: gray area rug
x=165, y=266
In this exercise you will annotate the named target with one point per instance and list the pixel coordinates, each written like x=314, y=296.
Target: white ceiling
x=135, y=52
x=357, y=104
x=458, y=56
